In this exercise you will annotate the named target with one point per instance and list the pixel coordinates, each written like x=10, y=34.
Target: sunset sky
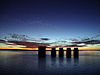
x=27, y=24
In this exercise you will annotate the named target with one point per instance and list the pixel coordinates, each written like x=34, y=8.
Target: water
x=28, y=63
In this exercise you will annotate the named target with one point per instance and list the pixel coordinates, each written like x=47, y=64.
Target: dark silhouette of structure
x=68, y=53
x=61, y=52
x=76, y=53
x=42, y=51
x=53, y=52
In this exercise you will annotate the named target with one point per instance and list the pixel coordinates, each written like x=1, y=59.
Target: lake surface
x=28, y=63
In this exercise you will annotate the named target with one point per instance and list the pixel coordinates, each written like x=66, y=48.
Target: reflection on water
x=28, y=63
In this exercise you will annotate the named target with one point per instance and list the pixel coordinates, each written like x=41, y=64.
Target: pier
x=68, y=53
x=53, y=52
x=61, y=52
x=76, y=53
x=42, y=52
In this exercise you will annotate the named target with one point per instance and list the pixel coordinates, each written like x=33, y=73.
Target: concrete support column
x=53, y=52
x=68, y=53
x=61, y=52
x=42, y=51
x=76, y=53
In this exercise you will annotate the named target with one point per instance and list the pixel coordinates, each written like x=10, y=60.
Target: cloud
x=86, y=39
x=96, y=36
x=70, y=46
x=19, y=37
x=92, y=42
x=45, y=39
x=28, y=44
x=74, y=45
x=73, y=39
x=2, y=41
x=88, y=42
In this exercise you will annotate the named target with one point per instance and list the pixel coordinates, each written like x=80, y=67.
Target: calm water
x=28, y=63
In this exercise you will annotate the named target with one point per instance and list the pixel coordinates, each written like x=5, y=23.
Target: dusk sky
x=54, y=23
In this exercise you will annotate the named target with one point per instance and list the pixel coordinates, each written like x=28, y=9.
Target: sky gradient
x=51, y=23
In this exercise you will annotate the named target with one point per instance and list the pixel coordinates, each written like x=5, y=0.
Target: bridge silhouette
x=42, y=52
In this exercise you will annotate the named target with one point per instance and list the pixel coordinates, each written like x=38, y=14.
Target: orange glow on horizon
x=51, y=48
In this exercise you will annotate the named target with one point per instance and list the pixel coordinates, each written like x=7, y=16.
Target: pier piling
x=53, y=52
x=61, y=52
x=76, y=53
x=68, y=53
x=42, y=51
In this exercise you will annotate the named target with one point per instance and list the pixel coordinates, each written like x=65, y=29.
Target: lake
x=28, y=63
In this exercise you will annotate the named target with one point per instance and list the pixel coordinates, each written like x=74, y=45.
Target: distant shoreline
x=37, y=50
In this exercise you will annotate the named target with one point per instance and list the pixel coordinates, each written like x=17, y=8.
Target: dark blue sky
x=54, y=19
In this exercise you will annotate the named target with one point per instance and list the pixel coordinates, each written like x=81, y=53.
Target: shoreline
x=37, y=50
